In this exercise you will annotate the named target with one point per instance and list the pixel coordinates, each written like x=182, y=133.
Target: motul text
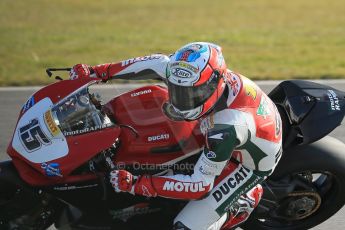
x=183, y=186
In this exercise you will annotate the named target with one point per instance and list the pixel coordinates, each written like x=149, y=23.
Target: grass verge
x=263, y=39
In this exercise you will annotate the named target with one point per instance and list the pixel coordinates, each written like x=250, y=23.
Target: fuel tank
x=148, y=135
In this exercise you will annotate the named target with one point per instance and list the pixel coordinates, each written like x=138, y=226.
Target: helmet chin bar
x=175, y=114
x=190, y=115
x=178, y=115
x=170, y=111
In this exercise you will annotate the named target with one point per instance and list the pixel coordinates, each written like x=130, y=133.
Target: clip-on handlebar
x=50, y=70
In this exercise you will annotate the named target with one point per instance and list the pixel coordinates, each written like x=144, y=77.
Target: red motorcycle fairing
x=146, y=134
x=55, y=92
x=64, y=154
x=150, y=136
x=81, y=149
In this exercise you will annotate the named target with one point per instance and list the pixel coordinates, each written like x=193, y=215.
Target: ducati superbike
x=67, y=140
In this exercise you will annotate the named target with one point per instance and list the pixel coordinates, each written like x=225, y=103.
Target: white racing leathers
x=246, y=128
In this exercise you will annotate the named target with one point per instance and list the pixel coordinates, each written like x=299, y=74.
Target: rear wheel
x=307, y=189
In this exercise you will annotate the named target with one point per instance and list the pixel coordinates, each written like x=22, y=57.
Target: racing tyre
x=314, y=176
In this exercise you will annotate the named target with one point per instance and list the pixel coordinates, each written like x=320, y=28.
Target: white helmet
x=196, y=79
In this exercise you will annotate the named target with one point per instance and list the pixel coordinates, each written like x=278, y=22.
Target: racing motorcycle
x=67, y=140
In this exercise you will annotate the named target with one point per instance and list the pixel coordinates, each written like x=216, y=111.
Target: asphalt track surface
x=13, y=98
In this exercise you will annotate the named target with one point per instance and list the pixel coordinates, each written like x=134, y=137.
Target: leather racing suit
x=245, y=126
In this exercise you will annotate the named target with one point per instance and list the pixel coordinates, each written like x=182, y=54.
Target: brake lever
x=50, y=70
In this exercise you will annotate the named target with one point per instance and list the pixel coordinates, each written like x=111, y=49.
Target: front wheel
x=24, y=210
x=307, y=188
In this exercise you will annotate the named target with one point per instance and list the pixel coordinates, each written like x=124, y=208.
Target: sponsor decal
x=334, y=100
x=250, y=90
x=230, y=205
x=211, y=155
x=209, y=164
x=30, y=102
x=165, y=136
x=50, y=123
x=74, y=187
x=146, y=191
x=178, y=72
x=238, y=196
x=86, y=130
x=234, y=85
x=209, y=167
x=51, y=169
x=191, y=53
x=204, y=171
x=140, y=59
x=231, y=183
x=141, y=93
x=185, y=66
x=177, y=186
x=32, y=136
x=138, y=209
x=263, y=109
x=278, y=123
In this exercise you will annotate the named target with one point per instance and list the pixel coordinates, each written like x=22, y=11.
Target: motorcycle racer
x=237, y=118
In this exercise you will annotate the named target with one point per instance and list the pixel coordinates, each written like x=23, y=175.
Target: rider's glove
x=80, y=71
x=83, y=70
x=124, y=181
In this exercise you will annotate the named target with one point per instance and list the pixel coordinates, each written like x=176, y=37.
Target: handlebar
x=50, y=70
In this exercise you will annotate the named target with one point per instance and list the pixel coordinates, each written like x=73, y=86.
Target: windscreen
x=80, y=113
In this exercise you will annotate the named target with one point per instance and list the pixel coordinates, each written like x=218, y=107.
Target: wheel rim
x=300, y=205
x=15, y=214
x=297, y=206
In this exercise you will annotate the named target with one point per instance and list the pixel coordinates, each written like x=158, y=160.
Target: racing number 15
x=32, y=136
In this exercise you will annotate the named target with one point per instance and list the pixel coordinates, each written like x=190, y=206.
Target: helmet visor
x=190, y=97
